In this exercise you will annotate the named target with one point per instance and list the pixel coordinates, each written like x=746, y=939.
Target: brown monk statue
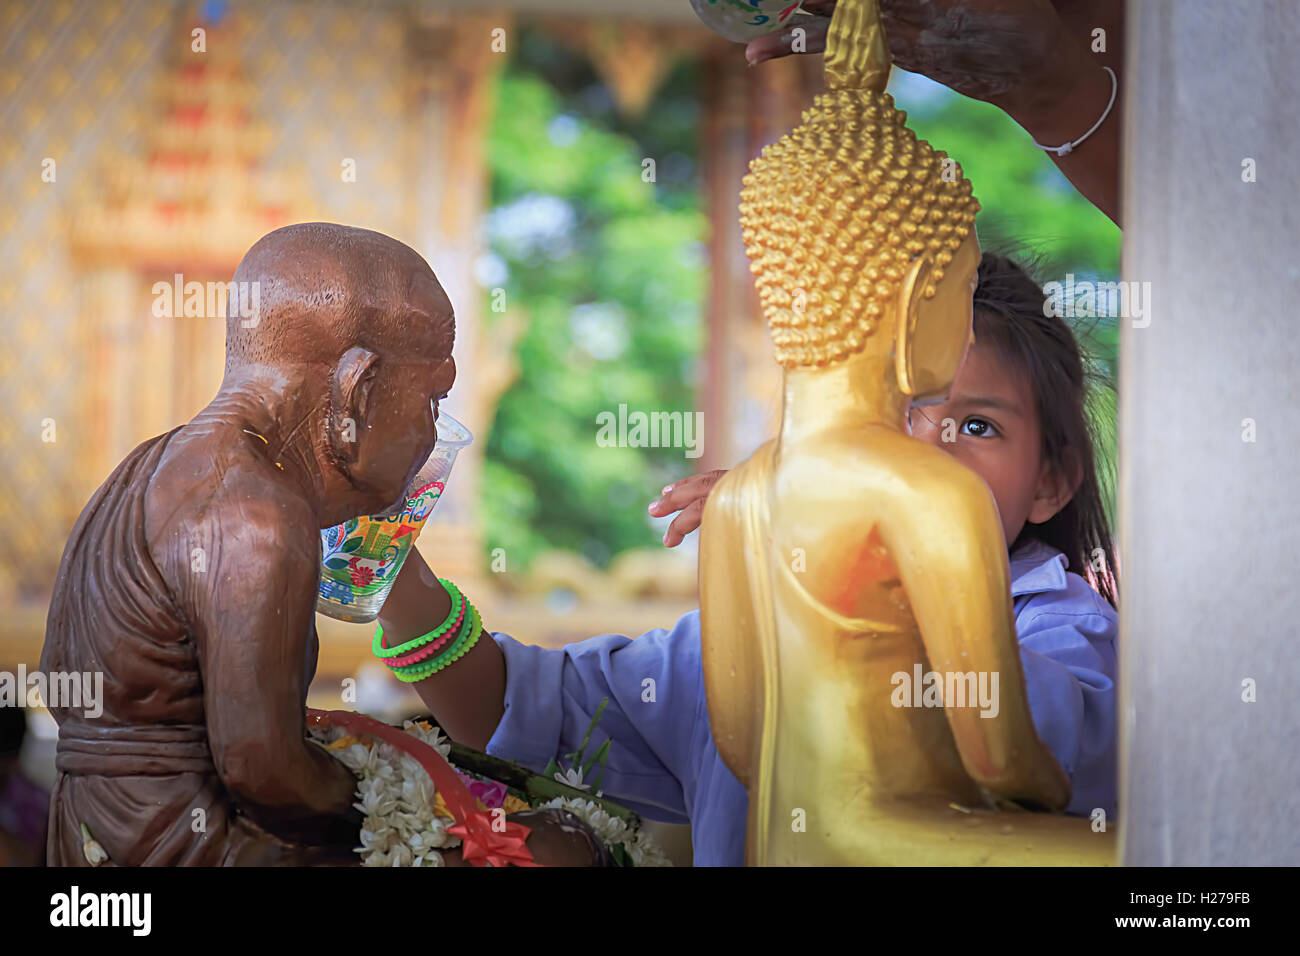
x=190, y=579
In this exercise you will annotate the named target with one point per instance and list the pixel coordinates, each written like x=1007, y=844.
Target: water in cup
x=361, y=557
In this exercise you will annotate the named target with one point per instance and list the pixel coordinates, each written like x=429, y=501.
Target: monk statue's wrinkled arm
x=254, y=636
x=951, y=555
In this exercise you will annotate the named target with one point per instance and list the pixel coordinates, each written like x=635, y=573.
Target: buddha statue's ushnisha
x=845, y=552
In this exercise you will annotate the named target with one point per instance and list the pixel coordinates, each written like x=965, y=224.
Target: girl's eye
x=978, y=428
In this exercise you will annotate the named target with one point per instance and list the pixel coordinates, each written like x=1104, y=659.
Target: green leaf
x=350, y=526
x=336, y=564
x=577, y=758
x=601, y=756
x=620, y=855
x=352, y=544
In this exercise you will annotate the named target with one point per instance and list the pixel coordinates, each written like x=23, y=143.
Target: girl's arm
x=1067, y=647
x=655, y=716
x=467, y=698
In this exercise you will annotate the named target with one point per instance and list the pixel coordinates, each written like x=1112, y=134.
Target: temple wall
x=1209, y=403
x=50, y=52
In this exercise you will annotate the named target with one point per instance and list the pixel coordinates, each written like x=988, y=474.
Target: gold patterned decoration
x=198, y=195
x=70, y=75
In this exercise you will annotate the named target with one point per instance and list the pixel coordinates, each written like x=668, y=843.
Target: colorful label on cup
x=362, y=556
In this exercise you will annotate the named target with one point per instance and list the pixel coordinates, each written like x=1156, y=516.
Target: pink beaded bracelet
x=428, y=650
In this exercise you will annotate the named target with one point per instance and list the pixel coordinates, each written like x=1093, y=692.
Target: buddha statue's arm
x=730, y=639
x=949, y=548
x=254, y=626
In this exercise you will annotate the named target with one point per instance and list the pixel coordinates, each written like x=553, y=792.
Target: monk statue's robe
x=140, y=775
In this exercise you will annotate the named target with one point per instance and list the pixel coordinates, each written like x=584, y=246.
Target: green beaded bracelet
x=377, y=645
x=420, y=671
x=463, y=642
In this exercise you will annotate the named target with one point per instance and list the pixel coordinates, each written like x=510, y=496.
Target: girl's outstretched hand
x=686, y=496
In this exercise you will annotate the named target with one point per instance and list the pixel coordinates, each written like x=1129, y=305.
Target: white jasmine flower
x=372, y=803
x=573, y=778
x=613, y=831
x=396, y=797
x=91, y=849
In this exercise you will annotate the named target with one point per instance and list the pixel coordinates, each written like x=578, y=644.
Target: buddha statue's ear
x=350, y=401
x=909, y=307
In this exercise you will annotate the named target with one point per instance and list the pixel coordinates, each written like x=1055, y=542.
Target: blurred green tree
x=608, y=264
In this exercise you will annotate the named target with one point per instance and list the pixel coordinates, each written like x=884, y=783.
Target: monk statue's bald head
x=353, y=332
x=324, y=288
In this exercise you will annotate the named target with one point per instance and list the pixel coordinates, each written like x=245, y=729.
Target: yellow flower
x=513, y=804
x=440, y=808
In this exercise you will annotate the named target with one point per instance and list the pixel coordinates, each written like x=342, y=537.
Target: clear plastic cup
x=361, y=557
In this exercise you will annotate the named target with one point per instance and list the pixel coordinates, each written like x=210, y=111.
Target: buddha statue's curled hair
x=834, y=214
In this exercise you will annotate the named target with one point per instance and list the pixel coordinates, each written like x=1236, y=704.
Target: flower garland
x=612, y=831
x=406, y=821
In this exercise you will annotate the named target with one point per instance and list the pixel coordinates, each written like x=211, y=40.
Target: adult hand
x=686, y=496
x=998, y=51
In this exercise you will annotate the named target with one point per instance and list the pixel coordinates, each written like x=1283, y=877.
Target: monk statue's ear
x=350, y=401
x=909, y=308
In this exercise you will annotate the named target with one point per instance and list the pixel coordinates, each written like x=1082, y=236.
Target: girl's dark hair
x=1010, y=315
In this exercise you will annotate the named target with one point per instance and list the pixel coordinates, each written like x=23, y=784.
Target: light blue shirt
x=663, y=763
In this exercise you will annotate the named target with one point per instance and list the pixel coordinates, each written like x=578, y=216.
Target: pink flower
x=491, y=793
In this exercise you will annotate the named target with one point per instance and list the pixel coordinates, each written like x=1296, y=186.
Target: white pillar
x=1210, y=436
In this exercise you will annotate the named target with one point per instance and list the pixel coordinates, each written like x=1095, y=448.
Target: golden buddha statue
x=846, y=552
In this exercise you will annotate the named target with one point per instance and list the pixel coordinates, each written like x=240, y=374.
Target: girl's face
x=990, y=423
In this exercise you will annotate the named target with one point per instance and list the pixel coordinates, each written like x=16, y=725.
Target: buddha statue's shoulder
x=855, y=460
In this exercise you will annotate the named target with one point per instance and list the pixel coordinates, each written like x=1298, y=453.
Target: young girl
x=1016, y=417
